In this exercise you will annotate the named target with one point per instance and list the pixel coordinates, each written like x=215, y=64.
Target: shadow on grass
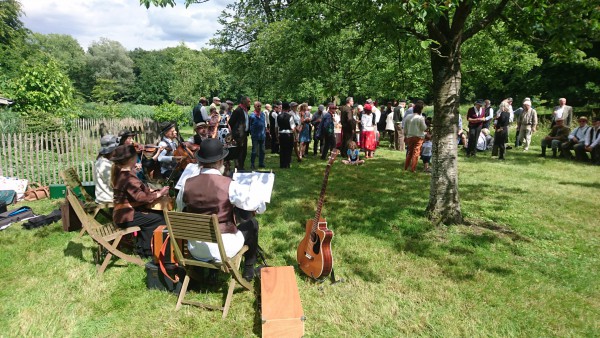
x=75, y=250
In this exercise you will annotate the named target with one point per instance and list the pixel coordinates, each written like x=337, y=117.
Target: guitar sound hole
x=317, y=243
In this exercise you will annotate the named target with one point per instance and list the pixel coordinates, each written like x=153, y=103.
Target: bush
x=172, y=112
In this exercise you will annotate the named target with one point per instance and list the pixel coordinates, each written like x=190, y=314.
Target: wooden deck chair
x=188, y=226
x=107, y=236
x=73, y=181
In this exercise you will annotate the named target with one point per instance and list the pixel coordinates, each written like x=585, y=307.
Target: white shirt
x=104, y=193
x=240, y=196
x=204, y=113
x=558, y=113
x=366, y=120
x=579, y=132
x=274, y=116
x=389, y=121
x=377, y=114
x=594, y=142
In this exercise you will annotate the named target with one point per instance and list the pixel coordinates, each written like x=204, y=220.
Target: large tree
x=109, y=60
x=443, y=26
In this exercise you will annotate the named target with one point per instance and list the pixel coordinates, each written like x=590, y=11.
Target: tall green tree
x=154, y=76
x=109, y=60
x=195, y=74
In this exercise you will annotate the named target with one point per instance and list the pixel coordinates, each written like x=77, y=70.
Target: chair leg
x=82, y=232
x=229, y=296
x=183, y=291
x=114, y=245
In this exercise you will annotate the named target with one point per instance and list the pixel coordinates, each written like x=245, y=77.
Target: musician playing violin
x=130, y=195
x=166, y=158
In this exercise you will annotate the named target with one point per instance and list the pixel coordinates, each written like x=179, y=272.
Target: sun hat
x=108, y=143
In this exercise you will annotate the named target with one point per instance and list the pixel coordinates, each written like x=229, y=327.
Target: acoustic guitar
x=314, y=252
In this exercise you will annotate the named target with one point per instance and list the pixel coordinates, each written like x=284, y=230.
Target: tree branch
x=489, y=19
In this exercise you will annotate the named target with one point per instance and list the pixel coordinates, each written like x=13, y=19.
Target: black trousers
x=148, y=222
x=328, y=143
x=249, y=228
x=242, y=143
x=500, y=139
x=274, y=142
x=473, y=136
x=286, y=145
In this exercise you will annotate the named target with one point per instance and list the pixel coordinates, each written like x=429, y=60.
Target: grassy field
x=527, y=263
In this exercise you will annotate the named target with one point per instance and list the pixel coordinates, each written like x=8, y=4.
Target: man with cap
x=557, y=136
x=216, y=103
x=240, y=125
x=168, y=143
x=102, y=166
x=201, y=134
x=286, y=125
x=476, y=117
x=527, y=124
x=210, y=192
x=576, y=138
x=199, y=114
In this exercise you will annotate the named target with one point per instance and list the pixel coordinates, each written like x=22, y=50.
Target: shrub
x=172, y=112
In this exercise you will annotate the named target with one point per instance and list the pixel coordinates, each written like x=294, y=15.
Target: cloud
x=125, y=21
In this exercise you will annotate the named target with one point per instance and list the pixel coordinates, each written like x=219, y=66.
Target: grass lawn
x=526, y=264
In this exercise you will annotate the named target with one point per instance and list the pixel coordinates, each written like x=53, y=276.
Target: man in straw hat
x=211, y=192
x=576, y=138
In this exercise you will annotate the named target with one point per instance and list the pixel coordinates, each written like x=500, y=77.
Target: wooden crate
x=281, y=310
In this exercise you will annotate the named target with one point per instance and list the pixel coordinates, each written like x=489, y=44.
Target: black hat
x=126, y=133
x=285, y=105
x=211, y=150
x=165, y=126
x=479, y=102
x=123, y=153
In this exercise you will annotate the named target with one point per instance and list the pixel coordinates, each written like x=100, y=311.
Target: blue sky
x=125, y=21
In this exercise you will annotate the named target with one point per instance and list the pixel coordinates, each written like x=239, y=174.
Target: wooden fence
x=40, y=157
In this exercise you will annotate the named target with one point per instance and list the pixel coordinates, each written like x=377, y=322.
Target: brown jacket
x=561, y=132
x=209, y=194
x=129, y=192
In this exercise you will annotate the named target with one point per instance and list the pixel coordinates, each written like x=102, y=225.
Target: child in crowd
x=426, y=151
x=353, y=154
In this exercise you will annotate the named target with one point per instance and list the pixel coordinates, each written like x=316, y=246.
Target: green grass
x=526, y=263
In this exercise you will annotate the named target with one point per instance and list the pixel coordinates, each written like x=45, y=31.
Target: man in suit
x=476, y=117
x=562, y=111
x=348, y=124
x=239, y=124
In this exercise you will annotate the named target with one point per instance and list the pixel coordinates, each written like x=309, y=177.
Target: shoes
x=542, y=155
x=501, y=159
x=261, y=166
x=508, y=147
x=248, y=273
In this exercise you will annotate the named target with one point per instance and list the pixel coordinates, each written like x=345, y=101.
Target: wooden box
x=281, y=309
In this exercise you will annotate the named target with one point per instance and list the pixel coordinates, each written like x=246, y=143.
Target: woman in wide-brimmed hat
x=130, y=194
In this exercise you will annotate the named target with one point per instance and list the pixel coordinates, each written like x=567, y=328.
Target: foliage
x=109, y=60
x=42, y=87
x=522, y=267
x=154, y=76
x=172, y=112
x=12, y=29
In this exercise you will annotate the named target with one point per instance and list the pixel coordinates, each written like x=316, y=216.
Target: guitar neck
x=323, y=189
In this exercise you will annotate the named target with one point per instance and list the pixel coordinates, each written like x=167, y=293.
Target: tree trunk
x=444, y=203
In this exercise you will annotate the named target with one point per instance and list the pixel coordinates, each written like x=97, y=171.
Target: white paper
x=260, y=184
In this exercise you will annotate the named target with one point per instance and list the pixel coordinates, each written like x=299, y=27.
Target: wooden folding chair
x=107, y=236
x=188, y=226
x=72, y=181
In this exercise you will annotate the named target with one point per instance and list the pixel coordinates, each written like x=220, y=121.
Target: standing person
x=348, y=124
x=286, y=124
x=557, y=136
x=427, y=151
x=224, y=129
x=316, y=123
x=130, y=194
x=258, y=133
x=562, y=111
x=213, y=122
x=415, y=127
x=327, y=127
x=215, y=104
x=240, y=125
x=489, y=113
x=516, y=115
x=168, y=162
x=389, y=124
x=398, y=132
x=297, y=130
x=102, y=167
x=367, y=134
x=197, y=112
x=527, y=124
x=501, y=135
x=273, y=128
x=476, y=117
x=304, y=136
x=576, y=138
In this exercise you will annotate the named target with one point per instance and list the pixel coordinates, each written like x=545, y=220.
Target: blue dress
x=305, y=133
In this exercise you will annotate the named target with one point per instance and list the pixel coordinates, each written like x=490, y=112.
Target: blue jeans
x=258, y=145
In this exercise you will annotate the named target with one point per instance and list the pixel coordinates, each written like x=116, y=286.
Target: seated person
x=485, y=140
x=102, y=166
x=168, y=143
x=353, y=154
x=130, y=195
x=460, y=133
x=211, y=192
x=201, y=133
x=557, y=136
x=592, y=143
x=576, y=138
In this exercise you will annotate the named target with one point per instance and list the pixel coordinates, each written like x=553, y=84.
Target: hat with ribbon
x=123, y=153
x=108, y=143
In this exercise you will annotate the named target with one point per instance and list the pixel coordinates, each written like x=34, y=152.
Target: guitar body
x=314, y=252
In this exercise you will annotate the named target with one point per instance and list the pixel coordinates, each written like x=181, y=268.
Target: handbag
x=36, y=192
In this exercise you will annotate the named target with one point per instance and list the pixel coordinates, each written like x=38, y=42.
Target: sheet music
x=260, y=184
